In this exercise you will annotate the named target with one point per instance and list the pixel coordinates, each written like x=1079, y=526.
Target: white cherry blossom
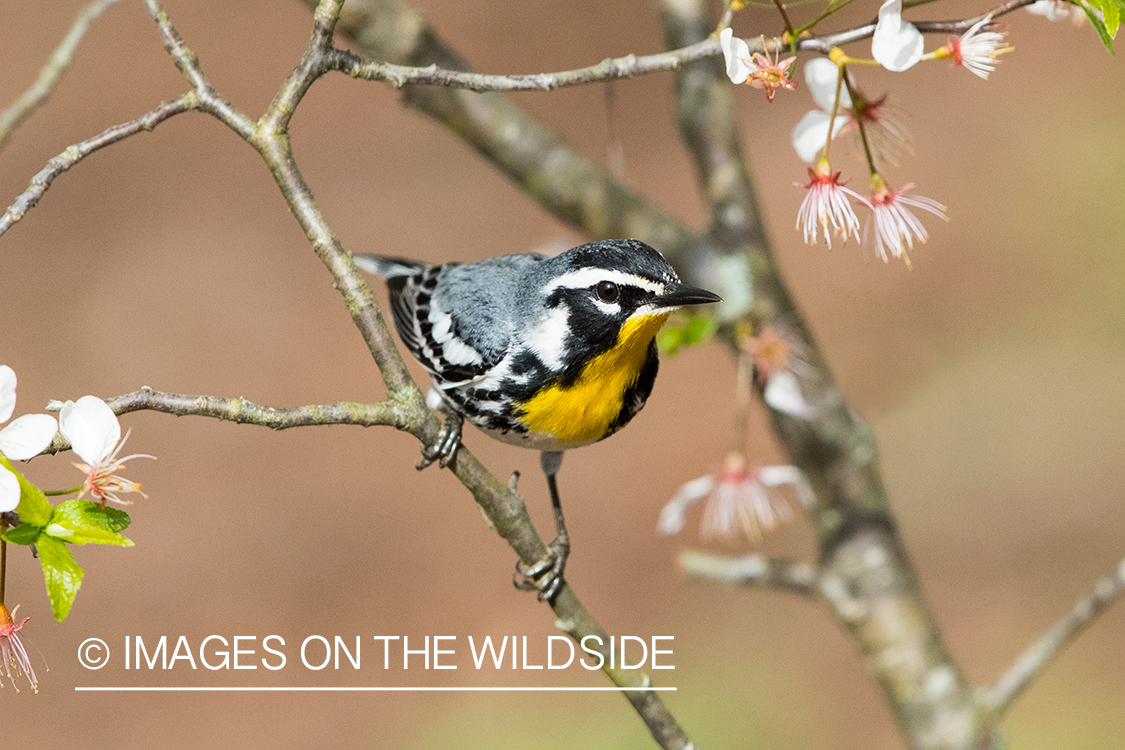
x=977, y=49
x=811, y=133
x=740, y=497
x=896, y=44
x=94, y=433
x=24, y=438
x=1057, y=10
x=896, y=226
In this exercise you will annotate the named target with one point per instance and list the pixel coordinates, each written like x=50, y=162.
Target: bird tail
x=388, y=267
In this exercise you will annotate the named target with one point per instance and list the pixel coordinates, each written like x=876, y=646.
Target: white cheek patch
x=587, y=277
x=547, y=339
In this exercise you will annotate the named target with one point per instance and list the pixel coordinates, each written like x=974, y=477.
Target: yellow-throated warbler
x=544, y=353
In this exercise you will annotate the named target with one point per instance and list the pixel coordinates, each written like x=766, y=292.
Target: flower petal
x=91, y=427
x=811, y=133
x=1054, y=11
x=9, y=490
x=774, y=476
x=821, y=75
x=7, y=392
x=27, y=436
x=896, y=45
x=735, y=52
x=783, y=393
x=672, y=514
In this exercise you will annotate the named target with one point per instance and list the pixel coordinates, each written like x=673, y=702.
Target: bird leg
x=447, y=443
x=546, y=575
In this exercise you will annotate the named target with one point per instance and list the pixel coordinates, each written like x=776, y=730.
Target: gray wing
x=456, y=319
x=473, y=313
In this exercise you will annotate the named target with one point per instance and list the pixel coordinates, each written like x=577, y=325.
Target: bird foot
x=447, y=443
x=546, y=575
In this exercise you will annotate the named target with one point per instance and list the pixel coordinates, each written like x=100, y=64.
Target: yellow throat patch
x=584, y=411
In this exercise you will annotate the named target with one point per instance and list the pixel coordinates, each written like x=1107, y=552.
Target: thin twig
x=241, y=411
x=611, y=69
x=956, y=27
x=79, y=151
x=825, y=43
x=202, y=98
x=315, y=62
x=756, y=571
x=784, y=16
x=188, y=63
x=1032, y=663
x=37, y=94
x=207, y=100
x=607, y=70
x=566, y=183
x=271, y=139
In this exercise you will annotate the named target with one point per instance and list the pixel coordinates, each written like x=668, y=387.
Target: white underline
x=387, y=688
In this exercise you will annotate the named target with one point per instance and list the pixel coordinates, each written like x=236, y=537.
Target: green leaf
x=687, y=332
x=83, y=522
x=699, y=329
x=34, y=507
x=669, y=339
x=25, y=533
x=1112, y=11
x=1103, y=32
x=61, y=573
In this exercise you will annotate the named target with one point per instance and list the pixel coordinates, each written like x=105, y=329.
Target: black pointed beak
x=678, y=295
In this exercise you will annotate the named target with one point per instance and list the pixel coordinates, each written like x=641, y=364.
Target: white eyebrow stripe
x=587, y=277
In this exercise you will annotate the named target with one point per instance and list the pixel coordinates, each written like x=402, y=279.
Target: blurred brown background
x=992, y=372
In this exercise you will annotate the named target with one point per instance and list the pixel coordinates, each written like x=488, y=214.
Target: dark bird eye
x=607, y=291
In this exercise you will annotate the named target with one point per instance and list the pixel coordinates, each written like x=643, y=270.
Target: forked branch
x=405, y=408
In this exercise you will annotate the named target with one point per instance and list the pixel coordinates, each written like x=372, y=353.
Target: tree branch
x=271, y=139
x=756, y=571
x=314, y=63
x=188, y=63
x=203, y=97
x=958, y=27
x=241, y=411
x=610, y=69
x=79, y=151
x=504, y=510
x=1033, y=662
x=864, y=570
x=825, y=43
x=37, y=94
x=615, y=68
x=569, y=185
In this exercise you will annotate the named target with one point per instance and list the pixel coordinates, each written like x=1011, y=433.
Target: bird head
x=607, y=294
